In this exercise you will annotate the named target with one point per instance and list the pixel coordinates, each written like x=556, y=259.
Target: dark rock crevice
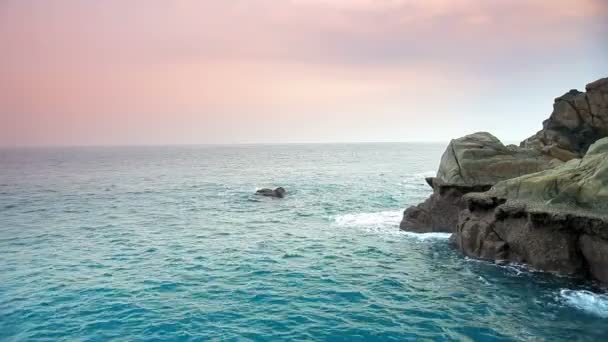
x=545, y=239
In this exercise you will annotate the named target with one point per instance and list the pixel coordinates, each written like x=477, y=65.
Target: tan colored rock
x=481, y=159
x=469, y=164
x=579, y=183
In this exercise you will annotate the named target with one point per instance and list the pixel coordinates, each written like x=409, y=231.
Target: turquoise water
x=169, y=243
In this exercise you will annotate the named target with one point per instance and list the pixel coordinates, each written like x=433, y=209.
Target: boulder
x=278, y=192
x=554, y=220
x=481, y=159
x=579, y=183
x=472, y=163
x=577, y=121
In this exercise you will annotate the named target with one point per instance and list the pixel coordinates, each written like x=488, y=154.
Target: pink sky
x=78, y=72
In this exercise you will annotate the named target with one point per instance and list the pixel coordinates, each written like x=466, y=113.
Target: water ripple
x=171, y=244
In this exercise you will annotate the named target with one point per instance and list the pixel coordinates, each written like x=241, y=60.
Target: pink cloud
x=94, y=65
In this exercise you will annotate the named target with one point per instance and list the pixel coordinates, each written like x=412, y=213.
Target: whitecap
x=484, y=280
x=386, y=222
x=593, y=303
x=381, y=219
x=428, y=236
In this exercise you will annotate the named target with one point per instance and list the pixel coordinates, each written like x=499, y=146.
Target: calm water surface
x=169, y=243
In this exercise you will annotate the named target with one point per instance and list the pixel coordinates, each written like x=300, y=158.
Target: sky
x=124, y=72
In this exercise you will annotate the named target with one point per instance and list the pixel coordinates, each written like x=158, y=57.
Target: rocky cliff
x=578, y=120
x=555, y=220
x=472, y=163
x=537, y=203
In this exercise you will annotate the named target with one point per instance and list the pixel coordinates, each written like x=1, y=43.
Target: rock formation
x=555, y=220
x=278, y=192
x=544, y=203
x=470, y=164
x=578, y=120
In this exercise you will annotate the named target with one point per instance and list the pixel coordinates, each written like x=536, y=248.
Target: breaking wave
x=593, y=303
x=382, y=221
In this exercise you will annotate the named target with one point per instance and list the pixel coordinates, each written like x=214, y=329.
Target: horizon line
x=34, y=146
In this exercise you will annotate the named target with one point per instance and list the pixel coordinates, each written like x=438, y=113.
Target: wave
x=593, y=303
x=382, y=221
x=428, y=236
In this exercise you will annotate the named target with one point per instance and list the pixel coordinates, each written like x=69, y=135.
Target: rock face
x=481, y=159
x=278, y=192
x=578, y=120
x=439, y=213
x=472, y=163
x=544, y=203
x=555, y=220
x=579, y=183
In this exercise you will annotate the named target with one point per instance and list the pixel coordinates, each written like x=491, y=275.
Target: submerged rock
x=278, y=192
x=577, y=121
x=472, y=163
x=555, y=220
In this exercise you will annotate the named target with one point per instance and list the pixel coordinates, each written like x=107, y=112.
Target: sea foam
x=593, y=303
x=383, y=221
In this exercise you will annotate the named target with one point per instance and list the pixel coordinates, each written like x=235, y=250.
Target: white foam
x=428, y=236
x=383, y=219
x=593, y=303
x=426, y=174
x=386, y=222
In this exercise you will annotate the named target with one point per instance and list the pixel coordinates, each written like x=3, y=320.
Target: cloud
x=86, y=64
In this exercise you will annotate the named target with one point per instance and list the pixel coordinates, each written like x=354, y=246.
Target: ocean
x=169, y=243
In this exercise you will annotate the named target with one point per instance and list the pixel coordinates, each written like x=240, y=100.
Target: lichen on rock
x=555, y=220
x=472, y=163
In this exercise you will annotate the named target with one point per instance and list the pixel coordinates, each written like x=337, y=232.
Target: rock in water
x=278, y=192
x=439, y=213
x=555, y=220
x=472, y=163
x=578, y=120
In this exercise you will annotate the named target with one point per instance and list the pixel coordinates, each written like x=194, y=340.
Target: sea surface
x=170, y=243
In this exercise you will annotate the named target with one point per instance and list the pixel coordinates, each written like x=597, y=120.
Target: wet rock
x=278, y=192
x=439, y=213
x=548, y=245
x=595, y=251
x=555, y=220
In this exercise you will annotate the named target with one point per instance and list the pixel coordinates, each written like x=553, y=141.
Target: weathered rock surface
x=439, y=213
x=555, y=220
x=481, y=159
x=472, y=163
x=579, y=183
x=577, y=121
x=278, y=192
